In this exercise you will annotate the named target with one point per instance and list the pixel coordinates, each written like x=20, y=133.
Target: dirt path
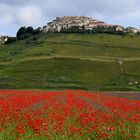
x=96, y=58
x=129, y=95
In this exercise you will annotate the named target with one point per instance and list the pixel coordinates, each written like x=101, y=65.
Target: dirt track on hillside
x=129, y=95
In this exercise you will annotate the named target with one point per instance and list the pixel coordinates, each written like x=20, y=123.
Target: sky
x=36, y=13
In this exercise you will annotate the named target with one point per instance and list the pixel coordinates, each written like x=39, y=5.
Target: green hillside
x=71, y=61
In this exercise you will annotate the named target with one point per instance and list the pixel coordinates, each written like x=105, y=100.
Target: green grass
x=75, y=61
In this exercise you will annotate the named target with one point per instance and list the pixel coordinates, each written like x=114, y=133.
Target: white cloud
x=134, y=14
x=13, y=17
x=5, y=17
x=29, y=16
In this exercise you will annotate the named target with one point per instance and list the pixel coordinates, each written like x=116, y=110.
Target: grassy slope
x=71, y=61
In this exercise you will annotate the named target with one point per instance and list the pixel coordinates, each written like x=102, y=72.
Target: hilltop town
x=61, y=24
x=72, y=24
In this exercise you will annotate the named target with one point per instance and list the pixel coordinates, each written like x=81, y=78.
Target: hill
x=74, y=61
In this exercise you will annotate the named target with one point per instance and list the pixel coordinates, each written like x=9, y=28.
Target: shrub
x=10, y=40
x=24, y=32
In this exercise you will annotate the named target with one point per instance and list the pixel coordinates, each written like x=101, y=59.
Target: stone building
x=132, y=30
x=3, y=39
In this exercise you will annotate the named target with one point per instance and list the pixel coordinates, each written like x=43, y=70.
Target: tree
x=29, y=30
x=24, y=32
x=37, y=31
x=10, y=40
x=21, y=32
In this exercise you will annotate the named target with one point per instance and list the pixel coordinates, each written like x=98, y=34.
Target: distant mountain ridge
x=61, y=24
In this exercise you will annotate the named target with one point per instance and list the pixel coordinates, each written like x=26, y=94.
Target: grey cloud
x=106, y=8
x=14, y=2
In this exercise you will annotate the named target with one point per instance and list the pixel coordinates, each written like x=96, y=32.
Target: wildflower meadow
x=68, y=115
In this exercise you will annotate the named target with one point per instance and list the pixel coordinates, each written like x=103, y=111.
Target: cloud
x=39, y=12
x=21, y=15
x=14, y=2
x=5, y=17
x=15, y=16
x=29, y=16
x=104, y=8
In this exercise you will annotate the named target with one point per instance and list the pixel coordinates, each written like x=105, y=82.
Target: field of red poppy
x=70, y=115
